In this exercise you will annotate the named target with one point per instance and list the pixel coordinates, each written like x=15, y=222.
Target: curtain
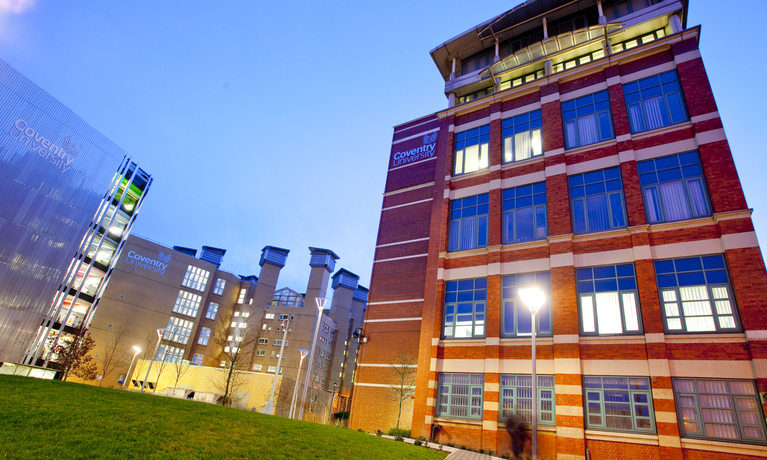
x=469, y=233
x=522, y=146
x=654, y=108
x=599, y=216
x=571, y=135
x=652, y=205
x=674, y=202
x=608, y=313
x=587, y=313
x=587, y=129
x=697, y=197
x=472, y=159
x=630, y=311
x=635, y=117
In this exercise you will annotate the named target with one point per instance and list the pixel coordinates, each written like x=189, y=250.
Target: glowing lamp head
x=137, y=349
x=533, y=298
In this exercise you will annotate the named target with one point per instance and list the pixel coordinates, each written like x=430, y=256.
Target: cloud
x=15, y=6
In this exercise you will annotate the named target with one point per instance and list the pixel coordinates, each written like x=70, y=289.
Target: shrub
x=343, y=415
x=399, y=432
x=360, y=430
x=419, y=441
x=398, y=438
x=379, y=432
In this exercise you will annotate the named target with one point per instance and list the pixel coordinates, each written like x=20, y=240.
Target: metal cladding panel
x=55, y=169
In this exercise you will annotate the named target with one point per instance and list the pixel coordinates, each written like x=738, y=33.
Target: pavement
x=454, y=453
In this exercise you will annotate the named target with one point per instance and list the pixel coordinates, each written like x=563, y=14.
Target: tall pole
x=298, y=377
x=535, y=396
x=312, y=352
x=130, y=368
x=157, y=347
x=269, y=408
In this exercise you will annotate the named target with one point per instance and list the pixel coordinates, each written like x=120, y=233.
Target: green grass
x=53, y=419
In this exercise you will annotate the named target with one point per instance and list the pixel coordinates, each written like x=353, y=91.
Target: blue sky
x=270, y=123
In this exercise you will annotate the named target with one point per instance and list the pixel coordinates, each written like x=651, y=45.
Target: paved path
x=467, y=455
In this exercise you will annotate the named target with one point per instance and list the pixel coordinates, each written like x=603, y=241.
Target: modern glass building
x=70, y=196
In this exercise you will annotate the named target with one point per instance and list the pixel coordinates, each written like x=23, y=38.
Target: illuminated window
x=197, y=359
x=522, y=137
x=170, y=354
x=178, y=330
x=269, y=316
x=471, y=150
x=587, y=120
x=212, y=310
x=516, y=319
x=204, y=336
x=187, y=303
x=608, y=300
x=219, y=289
x=257, y=367
x=465, y=302
x=196, y=278
x=243, y=293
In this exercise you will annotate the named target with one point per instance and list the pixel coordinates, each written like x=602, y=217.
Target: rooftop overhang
x=515, y=21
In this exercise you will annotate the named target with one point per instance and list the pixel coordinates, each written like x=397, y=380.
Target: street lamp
x=130, y=368
x=157, y=347
x=534, y=299
x=320, y=305
x=269, y=409
x=298, y=376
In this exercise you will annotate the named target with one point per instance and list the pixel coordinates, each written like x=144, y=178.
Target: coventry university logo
x=424, y=152
x=61, y=157
x=70, y=146
x=147, y=263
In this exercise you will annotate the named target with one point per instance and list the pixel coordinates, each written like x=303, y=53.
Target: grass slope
x=53, y=419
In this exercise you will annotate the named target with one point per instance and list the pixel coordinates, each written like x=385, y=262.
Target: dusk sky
x=270, y=123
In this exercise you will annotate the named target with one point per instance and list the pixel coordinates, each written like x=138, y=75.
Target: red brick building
x=582, y=153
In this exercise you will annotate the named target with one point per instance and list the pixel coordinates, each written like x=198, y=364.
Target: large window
x=197, y=359
x=187, y=303
x=196, y=278
x=608, y=300
x=517, y=398
x=587, y=120
x=243, y=293
x=212, y=310
x=522, y=137
x=673, y=188
x=596, y=200
x=471, y=150
x=468, y=222
x=619, y=403
x=524, y=213
x=654, y=102
x=695, y=295
x=178, y=330
x=719, y=409
x=516, y=318
x=170, y=354
x=204, y=336
x=220, y=284
x=460, y=395
x=465, y=302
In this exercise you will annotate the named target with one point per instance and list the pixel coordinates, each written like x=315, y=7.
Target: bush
x=379, y=432
x=398, y=438
x=399, y=432
x=420, y=441
x=343, y=415
x=360, y=430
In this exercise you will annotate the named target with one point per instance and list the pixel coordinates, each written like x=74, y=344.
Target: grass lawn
x=61, y=420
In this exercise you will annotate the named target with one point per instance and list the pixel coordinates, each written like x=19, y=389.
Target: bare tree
x=142, y=360
x=113, y=356
x=403, y=369
x=236, y=345
x=179, y=368
x=162, y=364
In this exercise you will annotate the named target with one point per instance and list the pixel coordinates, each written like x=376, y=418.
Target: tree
x=236, y=344
x=403, y=369
x=72, y=355
x=142, y=360
x=179, y=368
x=114, y=357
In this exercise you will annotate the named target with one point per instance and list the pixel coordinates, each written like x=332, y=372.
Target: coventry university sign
x=61, y=157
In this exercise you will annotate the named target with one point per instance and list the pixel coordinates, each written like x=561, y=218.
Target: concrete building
x=581, y=152
x=214, y=318
x=66, y=190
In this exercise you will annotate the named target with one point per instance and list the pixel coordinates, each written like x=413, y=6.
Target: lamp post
x=130, y=368
x=269, y=408
x=534, y=299
x=298, y=376
x=320, y=305
x=157, y=347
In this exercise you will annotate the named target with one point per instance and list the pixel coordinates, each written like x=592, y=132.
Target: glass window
x=522, y=137
x=587, y=120
x=719, y=409
x=465, y=302
x=468, y=222
x=204, y=336
x=219, y=289
x=187, y=303
x=596, y=201
x=178, y=330
x=673, y=188
x=197, y=359
x=263, y=341
x=196, y=278
x=471, y=150
x=515, y=316
x=654, y=102
x=212, y=310
x=695, y=295
x=243, y=293
x=260, y=352
x=517, y=398
x=608, y=300
x=618, y=403
x=269, y=316
x=524, y=213
x=257, y=367
x=170, y=354
x=460, y=395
